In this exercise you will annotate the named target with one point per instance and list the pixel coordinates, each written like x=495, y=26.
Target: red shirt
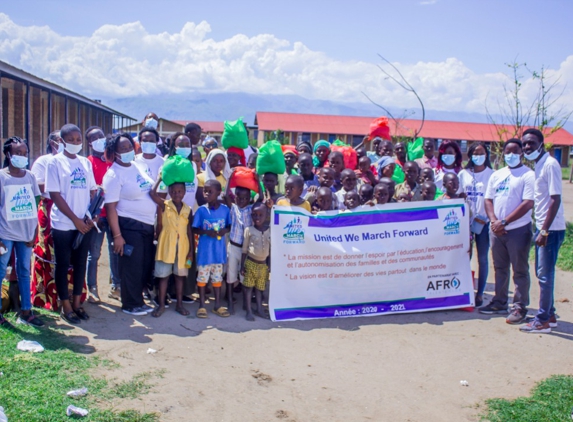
x=100, y=168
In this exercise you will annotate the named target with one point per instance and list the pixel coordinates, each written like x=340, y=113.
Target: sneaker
x=536, y=327
x=156, y=302
x=147, y=308
x=93, y=296
x=188, y=299
x=30, y=320
x=115, y=293
x=135, y=311
x=492, y=309
x=553, y=322
x=517, y=315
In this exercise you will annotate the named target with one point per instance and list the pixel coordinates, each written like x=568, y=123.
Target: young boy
x=410, y=184
x=426, y=175
x=391, y=185
x=428, y=191
x=451, y=185
x=336, y=162
x=197, y=159
x=240, y=219
x=252, y=161
x=324, y=200
x=305, y=169
x=381, y=194
x=404, y=196
x=256, y=250
x=270, y=183
x=366, y=193
x=212, y=221
x=349, y=181
x=364, y=171
x=351, y=200
x=293, y=189
x=326, y=177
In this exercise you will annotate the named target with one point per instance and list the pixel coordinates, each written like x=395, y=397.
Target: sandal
x=70, y=317
x=81, y=314
x=202, y=313
x=222, y=312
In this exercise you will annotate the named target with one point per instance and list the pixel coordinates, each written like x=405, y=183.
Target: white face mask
x=73, y=149
x=148, y=147
x=535, y=154
x=151, y=122
x=99, y=145
x=18, y=161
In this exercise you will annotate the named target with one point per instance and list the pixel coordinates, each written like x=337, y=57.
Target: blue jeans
x=482, y=246
x=23, y=257
x=95, y=253
x=545, y=260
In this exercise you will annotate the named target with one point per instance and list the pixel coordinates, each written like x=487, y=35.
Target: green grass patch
x=565, y=172
x=565, y=258
x=551, y=400
x=33, y=386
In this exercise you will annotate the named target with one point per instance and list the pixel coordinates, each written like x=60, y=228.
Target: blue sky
x=452, y=51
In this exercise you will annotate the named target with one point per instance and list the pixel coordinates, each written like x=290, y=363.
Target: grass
x=565, y=259
x=551, y=400
x=565, y=172
x=33, y=387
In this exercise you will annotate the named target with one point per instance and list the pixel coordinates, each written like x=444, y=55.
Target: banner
x=396, y=258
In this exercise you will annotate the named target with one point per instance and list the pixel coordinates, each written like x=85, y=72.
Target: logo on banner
x=446, y=284
x=452, y=223
x=294, y=231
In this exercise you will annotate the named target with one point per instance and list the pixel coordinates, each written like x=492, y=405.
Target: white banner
x=408, y=257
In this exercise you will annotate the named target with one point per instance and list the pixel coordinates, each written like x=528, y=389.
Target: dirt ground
x=398, y=367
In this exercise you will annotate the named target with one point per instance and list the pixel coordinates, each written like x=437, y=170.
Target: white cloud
x=126, y=60
x=428, y=2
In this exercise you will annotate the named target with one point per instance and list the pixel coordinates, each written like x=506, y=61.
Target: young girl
x=18, y=222
x=293, y=189
x=216, y=168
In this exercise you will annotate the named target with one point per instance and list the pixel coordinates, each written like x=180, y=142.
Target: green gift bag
x=177, y=170
x=235, y=135
x=271, y=158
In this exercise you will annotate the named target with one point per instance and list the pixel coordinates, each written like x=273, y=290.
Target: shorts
x=212, y=272
x=256, y=275
x=234, y=256
x=163, y=269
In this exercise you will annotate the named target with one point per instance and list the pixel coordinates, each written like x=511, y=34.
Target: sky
x=452, y=51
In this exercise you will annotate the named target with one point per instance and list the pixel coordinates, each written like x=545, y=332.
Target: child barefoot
x=428, y=191
x=293, y=190
x=381, y=194
x=451, y=184
x=366, y=193
x=174, y=254
x=324, y=200
x=351, y=200
x=256, y=249
x=212, y=221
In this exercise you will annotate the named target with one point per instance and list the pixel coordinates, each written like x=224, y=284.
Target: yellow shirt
x=284, y=202
x=201, y=177
x=173, y=237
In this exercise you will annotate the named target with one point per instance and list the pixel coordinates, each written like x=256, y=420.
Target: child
x=174, y=249
x=252, y=161
x=451, y=185
x=212, y=221
x=270, y=183
x=336, y=162
x=293, y=189
x=351, y=200
x=410, y=184
x=391, y=185
x=364, y=172
x=381, y=194
x=240, y=219
x=426, y=175
x=428, y=191
x=366, y=193
x=404, y=196
x=349, y=181
x=256, y=250
x=305, y=169
x=324, y=200
x=197, y=159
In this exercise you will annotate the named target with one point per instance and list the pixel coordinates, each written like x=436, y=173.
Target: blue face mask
x=512, y=160
x=99, y=145
x=127, y=157
x=151, y=122
x=18, y=161
x=183, y=152
x=148, y=147
x=534, y=155
x=448, y=159
x=478, y=160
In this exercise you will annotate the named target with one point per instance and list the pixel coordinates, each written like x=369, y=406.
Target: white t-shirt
x=475, y=185
x=548, y=182
x=39, y=170
x=151, y=166
x=508, y=188
x=129, y=187
x=73, y=179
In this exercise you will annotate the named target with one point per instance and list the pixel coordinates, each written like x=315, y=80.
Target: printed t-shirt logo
x=78, y=179
x=21, y=203
x=217, y=224
x=503, y=188
x=294, y=231
x=452, y=223
x=144, y=185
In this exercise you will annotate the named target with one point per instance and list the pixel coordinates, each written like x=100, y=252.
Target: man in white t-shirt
x=508, y=204
x=148, y=159
x=550, y=227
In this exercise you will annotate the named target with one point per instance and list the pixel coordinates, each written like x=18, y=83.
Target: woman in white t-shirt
x=131, y=216
x=449, y=161
x=473, y=181
x=71, y=184
x=148, y=159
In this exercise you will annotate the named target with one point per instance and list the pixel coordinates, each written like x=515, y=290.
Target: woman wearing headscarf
x=321, y=152
x=216, y=168
x=386, y=166
x=236, y=157
x=304, y=147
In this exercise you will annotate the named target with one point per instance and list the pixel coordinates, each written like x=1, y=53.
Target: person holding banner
x=508, y=202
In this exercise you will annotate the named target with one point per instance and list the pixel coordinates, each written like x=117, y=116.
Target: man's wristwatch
x=503, y=223
x=544, y=233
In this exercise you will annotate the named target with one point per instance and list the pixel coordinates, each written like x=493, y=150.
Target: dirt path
x=399, y=367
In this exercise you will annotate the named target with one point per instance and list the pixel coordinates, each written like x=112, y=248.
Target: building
x=169, y=127
x=32, y=108
x=351, y=130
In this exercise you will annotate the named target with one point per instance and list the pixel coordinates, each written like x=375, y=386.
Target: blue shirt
x=240, y=218
x=211, y=250
x=309, y=183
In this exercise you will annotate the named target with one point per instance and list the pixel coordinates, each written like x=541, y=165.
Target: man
x=400, y=153
x=428, y=160
x=508, y=204
x=193, y=132
x=550, y=225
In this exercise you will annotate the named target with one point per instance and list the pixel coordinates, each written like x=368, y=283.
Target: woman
x=131, y=218
x=216, y=167
x=386, y=166
x=44, y=293
x=18, y=221
x=321, y=152
x=473, y=181
x=70, y=183
x=449, y=161
x=304, y=147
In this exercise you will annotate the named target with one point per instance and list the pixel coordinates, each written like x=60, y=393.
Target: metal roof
x=19, y=74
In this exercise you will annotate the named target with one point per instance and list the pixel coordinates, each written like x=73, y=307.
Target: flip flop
x=202, y=313
x=222, y=312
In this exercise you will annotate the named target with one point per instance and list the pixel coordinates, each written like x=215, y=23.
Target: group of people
x=184, y=240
